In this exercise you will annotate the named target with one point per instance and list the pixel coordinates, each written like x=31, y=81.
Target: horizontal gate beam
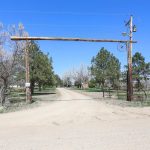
x=70, y=39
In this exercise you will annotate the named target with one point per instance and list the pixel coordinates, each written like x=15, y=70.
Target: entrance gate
x=129, y=55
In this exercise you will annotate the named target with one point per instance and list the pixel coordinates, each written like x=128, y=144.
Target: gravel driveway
x=76, y=122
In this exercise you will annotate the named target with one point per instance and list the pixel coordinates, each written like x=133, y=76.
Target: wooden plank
x=70, y=39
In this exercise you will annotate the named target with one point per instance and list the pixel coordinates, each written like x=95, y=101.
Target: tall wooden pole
x=27, y=84
x=129, y=74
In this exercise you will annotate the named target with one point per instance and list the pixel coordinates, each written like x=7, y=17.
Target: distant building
x=85, y=85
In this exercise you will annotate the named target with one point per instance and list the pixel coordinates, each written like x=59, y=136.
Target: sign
x=27, y=85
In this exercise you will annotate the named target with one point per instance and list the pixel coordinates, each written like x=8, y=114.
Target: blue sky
x=80, y=18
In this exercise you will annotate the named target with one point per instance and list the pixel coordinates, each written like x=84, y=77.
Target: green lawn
x=120, y=94
x=17, y=99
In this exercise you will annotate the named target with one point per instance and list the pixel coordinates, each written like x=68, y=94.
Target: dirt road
x=76, y=122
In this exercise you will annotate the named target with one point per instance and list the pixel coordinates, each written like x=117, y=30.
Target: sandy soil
x=76, y=122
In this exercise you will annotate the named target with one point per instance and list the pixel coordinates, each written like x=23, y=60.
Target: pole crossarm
x=70, y=39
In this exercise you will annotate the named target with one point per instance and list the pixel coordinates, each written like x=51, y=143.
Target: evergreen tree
x=105, y=67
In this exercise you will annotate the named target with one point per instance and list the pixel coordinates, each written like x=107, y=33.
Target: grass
x=93, y=89
x=45, y=91
x=136, y=95
x=16, y=93
x=17, y=100
x=139, y=99
x=16, y=104
x=120, y=97
x=120, y=94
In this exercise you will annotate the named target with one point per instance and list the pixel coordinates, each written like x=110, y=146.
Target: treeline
x=105, y=72
x=12, y=63
x=41, y=69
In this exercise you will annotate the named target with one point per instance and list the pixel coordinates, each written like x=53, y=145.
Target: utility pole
x=129, y=73
x=27, y=84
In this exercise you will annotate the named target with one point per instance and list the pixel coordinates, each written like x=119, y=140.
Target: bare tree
x=67, y=79
x=10, y=57
x=81, y=76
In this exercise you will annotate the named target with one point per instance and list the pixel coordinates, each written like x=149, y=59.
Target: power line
x=65, y=13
